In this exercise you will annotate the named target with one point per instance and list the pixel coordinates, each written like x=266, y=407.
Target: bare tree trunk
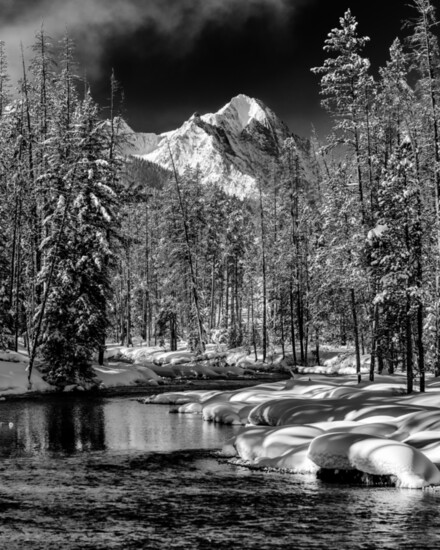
x=220, y=303
x=292, y=324
x=409, y=351
x=227, y=298
x=318, y=360
x=14, y=251
x=282, y=329
x=212, y=318
x=300, y=319
x=17, y=292
x=173, y=333
x=421, y=351
x=356, y=335
x=128, y=317
x=390, y=358
x=254, y=343
x=237, y=299
x=374, y=342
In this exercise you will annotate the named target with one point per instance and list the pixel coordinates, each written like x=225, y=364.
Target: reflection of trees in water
x=8, y=438
x=34, y=427
x=22, y=428
x=75, y=426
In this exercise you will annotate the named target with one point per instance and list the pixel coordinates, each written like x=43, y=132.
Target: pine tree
x=75, y=313
x=346, y=87
x=425, y=58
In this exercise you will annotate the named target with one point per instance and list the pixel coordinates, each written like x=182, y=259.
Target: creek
x=110, y=472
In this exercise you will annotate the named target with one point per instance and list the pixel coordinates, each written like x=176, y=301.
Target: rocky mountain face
x=235, y=147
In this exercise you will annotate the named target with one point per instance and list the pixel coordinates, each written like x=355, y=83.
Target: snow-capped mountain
x=236, y=146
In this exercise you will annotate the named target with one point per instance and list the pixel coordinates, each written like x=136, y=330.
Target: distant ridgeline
x=238, y=148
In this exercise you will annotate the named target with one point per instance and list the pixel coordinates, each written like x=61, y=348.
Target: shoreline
x=224, y=384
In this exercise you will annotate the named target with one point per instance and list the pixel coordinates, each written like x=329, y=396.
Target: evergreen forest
x=96, y=247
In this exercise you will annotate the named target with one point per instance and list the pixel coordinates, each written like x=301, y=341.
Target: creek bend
x=110, y=472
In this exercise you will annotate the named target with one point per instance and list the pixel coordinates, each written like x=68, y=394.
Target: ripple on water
x=130, y=497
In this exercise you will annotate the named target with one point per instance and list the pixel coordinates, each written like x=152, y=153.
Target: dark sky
x=175, y=57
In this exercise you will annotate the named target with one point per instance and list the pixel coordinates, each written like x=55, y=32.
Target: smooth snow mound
x=427, y=442
x=122, y=374
x=226, y=413
x=294, y=460
x=265, y=442
x=13, y=376
x=376, y=456
x=303, y=424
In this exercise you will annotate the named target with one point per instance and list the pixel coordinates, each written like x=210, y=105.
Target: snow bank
x=241, y=359
x=295, y=460
x=125, y=366
x=428, y=442
x=179, y=364
x=417, y=422
x=122, y=374
x=13, y=375
x=341, y=364
x=305, y=424
x=230, y=413
x=264, y=442
x=181, y=397
x=187, y=408
x=376, y=456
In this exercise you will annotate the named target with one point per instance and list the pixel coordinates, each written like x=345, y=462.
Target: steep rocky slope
x=236, y=147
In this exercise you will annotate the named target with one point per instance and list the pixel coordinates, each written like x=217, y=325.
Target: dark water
x=112, y=473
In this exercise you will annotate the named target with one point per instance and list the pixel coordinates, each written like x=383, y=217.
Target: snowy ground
x=13, y=374
x=317, y=422
x=143, y=365
x=132, y=366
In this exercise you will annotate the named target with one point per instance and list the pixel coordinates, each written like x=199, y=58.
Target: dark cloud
x=175, y=57
x=96, y=22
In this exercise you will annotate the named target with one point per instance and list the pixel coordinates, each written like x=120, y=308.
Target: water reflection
x=84, y=424
x=69, y=496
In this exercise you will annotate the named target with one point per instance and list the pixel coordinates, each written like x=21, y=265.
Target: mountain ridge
x=234, y=147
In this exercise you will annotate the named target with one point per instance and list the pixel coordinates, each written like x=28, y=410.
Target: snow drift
x=302, y=425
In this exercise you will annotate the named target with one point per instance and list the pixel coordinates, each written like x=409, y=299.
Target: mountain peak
x=246, y=109
x=239, y=112
x=233, y=147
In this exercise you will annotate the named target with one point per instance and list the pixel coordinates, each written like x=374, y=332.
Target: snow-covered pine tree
x=349, y=95
x=425, y=61
x=78, y=250
x=347, y=86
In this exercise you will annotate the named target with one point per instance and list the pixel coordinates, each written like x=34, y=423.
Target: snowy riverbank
x=143, y=366
x=138, y=366
x=306, y=424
